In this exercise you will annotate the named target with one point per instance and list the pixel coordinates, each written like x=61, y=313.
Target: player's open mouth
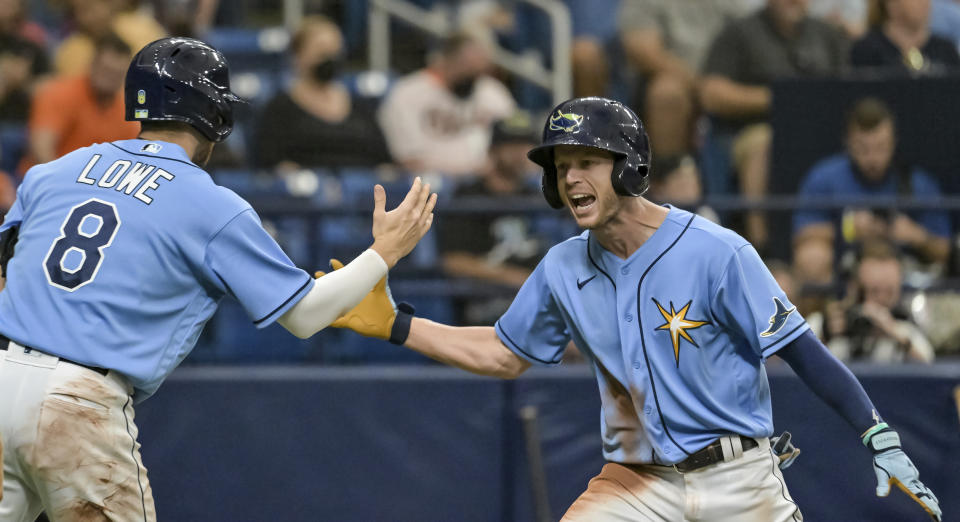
x=582, y=201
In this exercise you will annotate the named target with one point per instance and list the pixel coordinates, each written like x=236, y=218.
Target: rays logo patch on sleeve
x=779, y=317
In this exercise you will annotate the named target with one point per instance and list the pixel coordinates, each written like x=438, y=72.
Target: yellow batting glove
x=377, y=314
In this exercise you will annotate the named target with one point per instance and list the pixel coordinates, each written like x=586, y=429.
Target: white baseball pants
x=69, y=443
x=745, y=489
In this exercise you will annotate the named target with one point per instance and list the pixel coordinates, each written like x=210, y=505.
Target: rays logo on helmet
x=566, y=122
x=141, y=96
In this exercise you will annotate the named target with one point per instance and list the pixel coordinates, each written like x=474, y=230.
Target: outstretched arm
x=476, y=349
x=827, y=377
x=395, y=233
x=334, y=295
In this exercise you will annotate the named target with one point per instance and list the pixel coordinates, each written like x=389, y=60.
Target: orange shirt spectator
x=75, y=111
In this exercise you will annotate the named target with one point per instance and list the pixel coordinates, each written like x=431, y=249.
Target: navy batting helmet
x=181, y=79
x=603, y=124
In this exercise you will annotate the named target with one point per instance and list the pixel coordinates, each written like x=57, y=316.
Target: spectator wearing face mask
x=440, y=119
x=317, y=123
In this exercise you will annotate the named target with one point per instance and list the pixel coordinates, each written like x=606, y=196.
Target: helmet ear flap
x=548, y=183
x=630, y=181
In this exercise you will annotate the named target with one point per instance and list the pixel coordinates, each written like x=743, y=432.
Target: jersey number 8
x=88, y=230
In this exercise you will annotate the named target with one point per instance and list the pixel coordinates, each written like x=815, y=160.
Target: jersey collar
x=665, y=234
x=155, y=149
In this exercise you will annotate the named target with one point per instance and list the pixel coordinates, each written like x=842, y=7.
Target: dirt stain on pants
x=85, y=457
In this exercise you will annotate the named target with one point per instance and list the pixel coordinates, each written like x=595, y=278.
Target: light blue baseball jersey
x=124, y=251
x=677, y=334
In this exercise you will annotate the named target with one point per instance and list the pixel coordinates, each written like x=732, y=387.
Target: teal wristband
x=865, y=438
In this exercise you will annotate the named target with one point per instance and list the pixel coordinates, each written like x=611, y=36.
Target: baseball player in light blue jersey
x=676, y=316
x=115, y=256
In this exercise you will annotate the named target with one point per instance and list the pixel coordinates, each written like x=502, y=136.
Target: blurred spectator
x=96, y=18
x=75, y=111
x=317, y=123
x=666, y=40
x=439, y=119
x=190, y=18
x=867, y=169
x=871, y=324
x=21, y=62
x=495, y=248
x=676, y=180
x=13, y=24
x=593, y=27
x=900, y=41
x=778, y=41
x=848, y=15
x=811, y=302
x=945, y=20
x=8, y=193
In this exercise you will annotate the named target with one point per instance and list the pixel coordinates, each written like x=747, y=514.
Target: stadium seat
x=251, y=48
x=368, y=84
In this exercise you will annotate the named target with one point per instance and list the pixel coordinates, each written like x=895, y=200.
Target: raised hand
x=396, y=232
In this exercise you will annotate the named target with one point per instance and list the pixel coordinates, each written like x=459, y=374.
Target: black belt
x=4, y=344
x=712, y=454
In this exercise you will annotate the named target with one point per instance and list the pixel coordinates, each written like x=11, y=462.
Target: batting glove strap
x=401, y=324
x=883, y=440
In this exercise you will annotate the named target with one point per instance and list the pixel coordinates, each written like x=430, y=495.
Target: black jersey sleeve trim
x=516, y=347
x=780, y=341
x=304, y=285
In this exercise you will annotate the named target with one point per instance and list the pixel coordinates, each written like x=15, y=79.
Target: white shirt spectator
x=429, y=129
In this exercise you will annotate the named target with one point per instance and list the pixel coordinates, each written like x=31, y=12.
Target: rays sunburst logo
x=678, y=324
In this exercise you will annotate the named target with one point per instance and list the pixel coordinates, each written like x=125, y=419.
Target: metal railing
x=437, y=22
x=287, y=205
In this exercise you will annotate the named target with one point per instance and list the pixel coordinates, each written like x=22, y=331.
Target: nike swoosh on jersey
x=581, y=284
